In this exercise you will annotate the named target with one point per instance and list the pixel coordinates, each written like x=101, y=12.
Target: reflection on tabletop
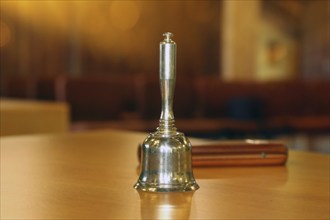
x=165, y=205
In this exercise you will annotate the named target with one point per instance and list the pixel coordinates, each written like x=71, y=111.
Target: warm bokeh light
x=215, y=37
x=5, y=34
x=206, y=11
x=124, y=14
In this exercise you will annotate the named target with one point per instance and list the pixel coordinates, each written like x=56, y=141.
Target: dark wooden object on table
x=238, y=153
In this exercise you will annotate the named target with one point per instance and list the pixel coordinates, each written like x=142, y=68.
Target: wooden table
x=31, y=117
x=91, y=176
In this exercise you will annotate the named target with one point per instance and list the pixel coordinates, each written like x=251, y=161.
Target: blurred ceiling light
x=5, y=34
x=200, y=11
x=43, y=15
x=124, y=14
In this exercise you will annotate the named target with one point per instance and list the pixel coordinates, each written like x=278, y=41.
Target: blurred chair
x=214, y=95
x=46, y=87
x=245, y=108
x=149, y=98
x=91, y=98
x=19, y=87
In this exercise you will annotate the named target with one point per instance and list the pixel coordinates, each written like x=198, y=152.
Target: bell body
x=166, y=153
x=166, y=164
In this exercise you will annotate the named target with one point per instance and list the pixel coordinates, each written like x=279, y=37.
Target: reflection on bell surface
x=166, y=153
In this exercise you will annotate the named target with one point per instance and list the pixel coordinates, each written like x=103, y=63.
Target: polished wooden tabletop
x=91, y=175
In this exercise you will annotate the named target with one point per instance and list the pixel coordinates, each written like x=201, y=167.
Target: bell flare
x=166, y=164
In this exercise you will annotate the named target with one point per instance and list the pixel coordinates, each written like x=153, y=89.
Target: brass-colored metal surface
x=166, y=153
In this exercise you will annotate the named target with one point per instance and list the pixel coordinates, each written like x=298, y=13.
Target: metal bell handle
x=167, y=76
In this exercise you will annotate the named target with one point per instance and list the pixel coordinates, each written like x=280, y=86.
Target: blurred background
x=245, y=69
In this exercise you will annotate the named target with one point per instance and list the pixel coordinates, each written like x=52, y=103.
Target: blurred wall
x=279, y=40
x=84, y=37
x=316, y=40
x=289, y=39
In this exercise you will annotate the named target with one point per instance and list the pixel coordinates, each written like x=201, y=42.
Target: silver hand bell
x=166, y=153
